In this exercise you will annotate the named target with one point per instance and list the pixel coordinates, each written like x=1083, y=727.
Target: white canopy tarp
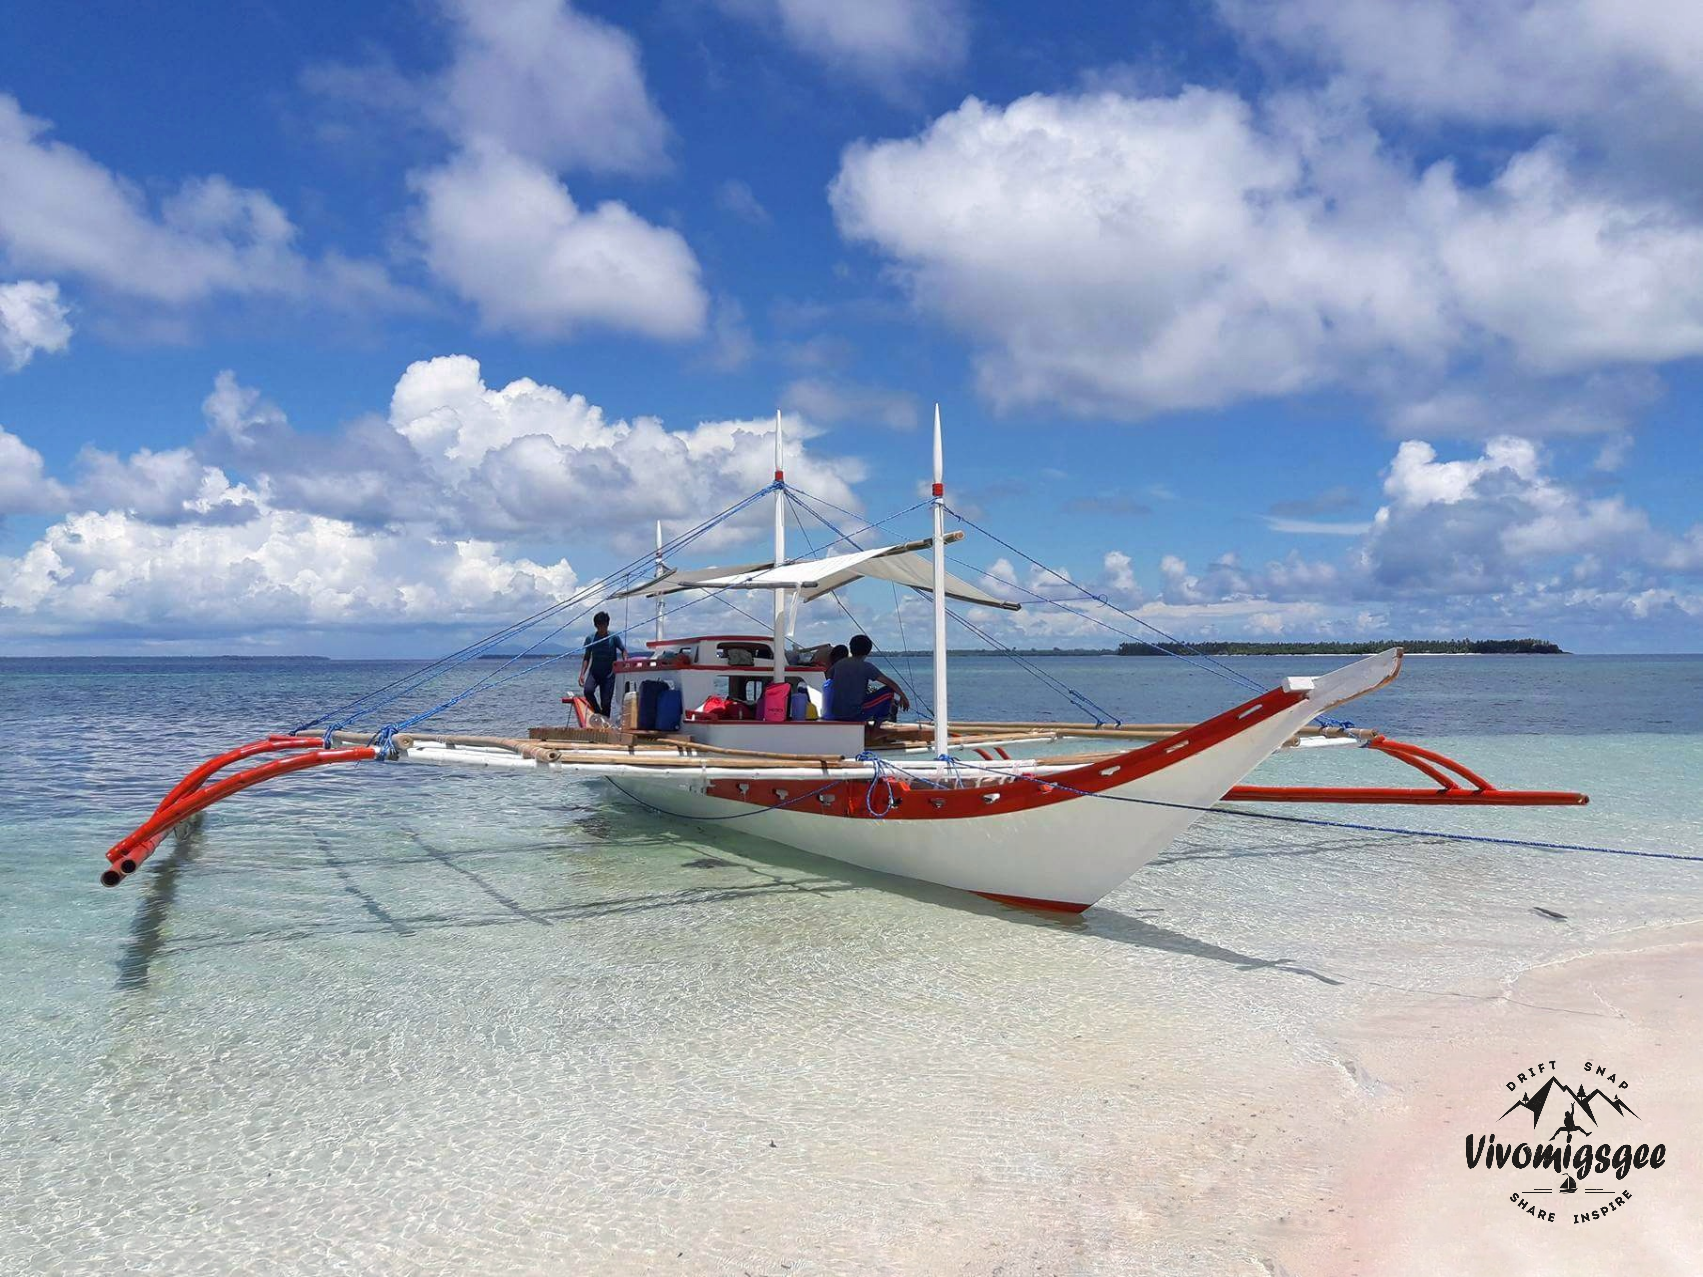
x=816, y=577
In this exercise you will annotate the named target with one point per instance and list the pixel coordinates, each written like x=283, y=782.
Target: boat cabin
x=722, y=678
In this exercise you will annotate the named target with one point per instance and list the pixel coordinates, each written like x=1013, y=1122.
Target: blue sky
x=356, y=329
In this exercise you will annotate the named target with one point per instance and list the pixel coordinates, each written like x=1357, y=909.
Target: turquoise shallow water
x=417, y=1021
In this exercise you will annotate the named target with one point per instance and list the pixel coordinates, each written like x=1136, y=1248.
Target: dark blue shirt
x=851, y=677
x=604, y=652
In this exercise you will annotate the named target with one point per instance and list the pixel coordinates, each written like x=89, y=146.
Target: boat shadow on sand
x=759, y=867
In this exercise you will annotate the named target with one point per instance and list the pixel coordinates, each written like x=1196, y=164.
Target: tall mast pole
x=780, y=555
x=939, y=503
x=659, y=567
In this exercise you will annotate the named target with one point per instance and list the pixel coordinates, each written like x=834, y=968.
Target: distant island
x=1413, y=647
x=1210, y=647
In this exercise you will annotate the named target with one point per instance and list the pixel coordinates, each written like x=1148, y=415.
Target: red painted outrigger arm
x=1476, y=792
x=193, y=793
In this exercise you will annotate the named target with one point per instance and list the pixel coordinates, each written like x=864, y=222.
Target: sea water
x=392, y=1019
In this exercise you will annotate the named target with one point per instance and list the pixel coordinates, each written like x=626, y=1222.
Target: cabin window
x=741, y=687
x=743, y=653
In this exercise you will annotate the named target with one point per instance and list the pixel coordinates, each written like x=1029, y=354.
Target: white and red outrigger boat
x=939, y=801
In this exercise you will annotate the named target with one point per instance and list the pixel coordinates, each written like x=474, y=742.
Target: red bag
x=776, y=698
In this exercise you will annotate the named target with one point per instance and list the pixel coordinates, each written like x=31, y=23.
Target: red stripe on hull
x=869, y=800
x=1026, y=902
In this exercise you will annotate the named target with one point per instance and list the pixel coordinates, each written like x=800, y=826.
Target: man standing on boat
x=849, y=698
x=597, y=668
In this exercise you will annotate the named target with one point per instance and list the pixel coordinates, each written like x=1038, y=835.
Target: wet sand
x=1395, y=1195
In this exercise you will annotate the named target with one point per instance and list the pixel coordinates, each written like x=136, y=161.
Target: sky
x=363, y=329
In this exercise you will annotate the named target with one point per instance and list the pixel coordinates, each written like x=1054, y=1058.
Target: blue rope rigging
x=1212, y=663
x=575, y=606
x=839, y=536
x=411, y=682
x=486, y=683
x=908, y=678
x=1100, y=715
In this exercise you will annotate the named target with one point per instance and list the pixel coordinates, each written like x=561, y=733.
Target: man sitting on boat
x=849, y=699
x=597, y=668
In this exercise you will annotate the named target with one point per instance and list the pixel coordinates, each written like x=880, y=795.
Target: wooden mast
x=939, y=503
x=780, y=556
x=659, y=567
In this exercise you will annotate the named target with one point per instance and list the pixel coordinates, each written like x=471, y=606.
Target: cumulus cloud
x=63, y=212
x=114, y=573
x=878, y=41
x=528, y=456
x=32, y=320
x=160, y=487
x=1493, y=543
x=1492, y=522
x=1124, y=255
x=535, y=88
x=25, y=487
x=1119, y=570
x=556, y=86
x=170, y=486
x=1489, y=543
x=507, y=235
x=420, y=516
x=535, y=77
x=1623, y=74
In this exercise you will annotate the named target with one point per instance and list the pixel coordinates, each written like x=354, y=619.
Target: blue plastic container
x=670, y=707
x=650, y=692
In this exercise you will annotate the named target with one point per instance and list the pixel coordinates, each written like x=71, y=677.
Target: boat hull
x=1043, y=842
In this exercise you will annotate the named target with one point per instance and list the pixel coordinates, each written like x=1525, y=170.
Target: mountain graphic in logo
x=1555, y=1089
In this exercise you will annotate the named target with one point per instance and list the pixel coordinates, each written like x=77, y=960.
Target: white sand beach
x=1396, y=1197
